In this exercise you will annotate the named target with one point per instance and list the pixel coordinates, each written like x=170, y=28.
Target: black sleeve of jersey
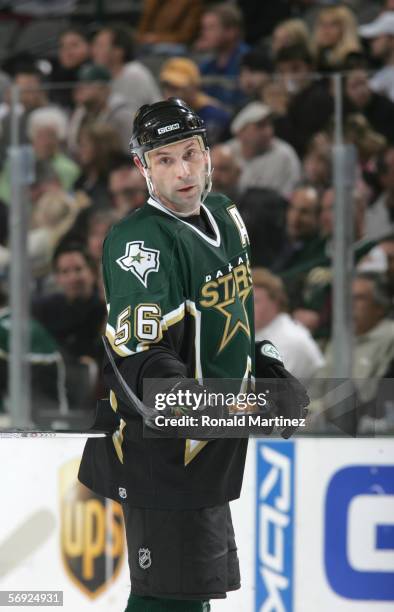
x=158, y=362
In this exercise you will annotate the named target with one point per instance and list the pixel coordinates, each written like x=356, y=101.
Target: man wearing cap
x=96, y=104
x=380, y=33
x=266, y=160
x=180, y=77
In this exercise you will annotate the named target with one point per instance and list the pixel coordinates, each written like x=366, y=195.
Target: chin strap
x=208, y=181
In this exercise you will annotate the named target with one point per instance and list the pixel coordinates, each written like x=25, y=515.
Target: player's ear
x=139, y=165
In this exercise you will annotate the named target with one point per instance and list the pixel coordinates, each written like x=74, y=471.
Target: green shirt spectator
x=64, y=167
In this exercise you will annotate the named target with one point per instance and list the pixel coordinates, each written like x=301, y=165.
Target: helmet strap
x=208, y=178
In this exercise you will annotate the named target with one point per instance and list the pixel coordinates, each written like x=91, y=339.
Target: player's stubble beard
x=179, y=204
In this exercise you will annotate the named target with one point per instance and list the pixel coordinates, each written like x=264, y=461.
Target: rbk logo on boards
x=275, y=526
x=91, y=534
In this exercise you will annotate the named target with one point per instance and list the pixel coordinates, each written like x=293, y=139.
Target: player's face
x=178, y=174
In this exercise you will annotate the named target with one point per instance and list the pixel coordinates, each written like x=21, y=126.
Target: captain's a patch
x=139, y=260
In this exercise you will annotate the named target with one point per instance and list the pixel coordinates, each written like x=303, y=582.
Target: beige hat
x=180, y=72
x=251, y=113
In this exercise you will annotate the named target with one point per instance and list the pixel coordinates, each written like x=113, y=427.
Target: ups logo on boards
x=92, y=534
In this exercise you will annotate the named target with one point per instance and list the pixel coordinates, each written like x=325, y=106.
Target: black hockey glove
x=180, y=402
x=286, y=396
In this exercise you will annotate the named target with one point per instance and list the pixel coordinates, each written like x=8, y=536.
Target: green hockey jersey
x=46, y=365
x=171, y=285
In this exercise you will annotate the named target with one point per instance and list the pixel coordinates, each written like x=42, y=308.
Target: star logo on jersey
x=236, y=318
x=139, y=260
x=227, y=290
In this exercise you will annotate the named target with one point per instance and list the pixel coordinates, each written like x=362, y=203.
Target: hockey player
x=180, y=305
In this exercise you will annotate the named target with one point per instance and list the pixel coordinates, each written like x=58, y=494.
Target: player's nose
x=183, y=168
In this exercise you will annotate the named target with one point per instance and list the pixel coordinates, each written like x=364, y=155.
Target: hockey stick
x=130, y=396
x=49, y=434
x=25, y=540
x=146, y=413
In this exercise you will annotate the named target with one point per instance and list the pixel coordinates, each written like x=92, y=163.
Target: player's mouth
x=186, y=189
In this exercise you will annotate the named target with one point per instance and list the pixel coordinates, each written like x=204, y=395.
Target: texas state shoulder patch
x=139, y=260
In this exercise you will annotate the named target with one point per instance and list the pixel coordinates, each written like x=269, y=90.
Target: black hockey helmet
x=161, y=123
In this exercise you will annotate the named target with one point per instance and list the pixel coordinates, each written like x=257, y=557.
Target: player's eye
x=191, y=154
x=165, y=161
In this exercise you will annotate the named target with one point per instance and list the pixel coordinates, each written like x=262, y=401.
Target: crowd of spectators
x=261, y=78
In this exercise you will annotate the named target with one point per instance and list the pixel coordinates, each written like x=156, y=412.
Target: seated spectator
x=304, y=247
x=98, y=144
x=113, y=47
x=32, y=95
x=45, y=178
x=225, y=171
x=73, y=52
x=290, y=33
x=380, y=259
x=379, y=218
x=167, y=27
x=127, y=187
x=74, y=315
x=295, y=66
x=368, y=143
x=335, y=37
x=317, y=164
x=180, y=78
x=47, y=130
x=256, y=69
x=380, y=34
x=96, y=104
x=359, y=98
x=309, y=105
x=315, y=307
x=372, y=352
x=264, y=214
x=266, y=160
x=299, y=351
x=222, y=35
x=275, y=95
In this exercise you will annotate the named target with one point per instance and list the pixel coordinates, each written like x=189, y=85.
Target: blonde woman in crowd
x=53, y=215
x=335, y=37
